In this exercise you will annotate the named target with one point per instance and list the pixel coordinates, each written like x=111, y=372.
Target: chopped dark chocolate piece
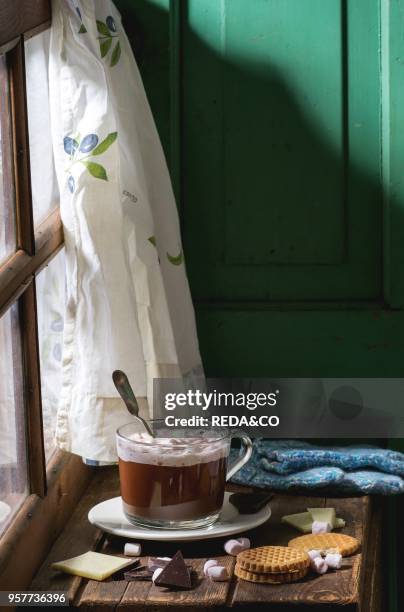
x=249, y=503
x=155, y=562
x=119, y=575
x=138, y=575
x=175, y=573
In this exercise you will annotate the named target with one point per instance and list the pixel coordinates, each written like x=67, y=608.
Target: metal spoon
x=122, y=384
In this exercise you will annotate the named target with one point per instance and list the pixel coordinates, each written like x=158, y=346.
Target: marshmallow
x=156, y=573
x=313, y=554
x=218, y=573
x=319, y=565
x=333, y=560
x=320, y=527
x=154, y=562
x=132, y=550
x=234, y=547
x=209, y=563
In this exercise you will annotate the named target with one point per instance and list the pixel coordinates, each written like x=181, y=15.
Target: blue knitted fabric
x=289, y=456
x=254, y=474
x=287, y=465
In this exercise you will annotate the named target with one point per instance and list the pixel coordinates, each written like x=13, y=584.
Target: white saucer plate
x=109, y=517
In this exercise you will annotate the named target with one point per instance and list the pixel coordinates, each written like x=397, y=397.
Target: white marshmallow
x=209, y=563
x=319, y=565
x=234, y=547
x=321, y=527
x=156, y=573
x=333, y=560
x=132, y=550
x=154, y=562
x=218, y=573
x=314, y=553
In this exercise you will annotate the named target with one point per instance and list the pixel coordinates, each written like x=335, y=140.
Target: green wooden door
x=284, y=211
x=282, y=124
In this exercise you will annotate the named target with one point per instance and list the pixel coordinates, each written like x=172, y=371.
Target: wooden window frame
x=54, y=489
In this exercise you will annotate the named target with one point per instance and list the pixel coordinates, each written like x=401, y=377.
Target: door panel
x=337, y=68
x=281, y=141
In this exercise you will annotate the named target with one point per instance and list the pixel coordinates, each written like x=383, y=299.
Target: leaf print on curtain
x=107, y=33
x=73, y=146
x=82, y=29
x=176, y=260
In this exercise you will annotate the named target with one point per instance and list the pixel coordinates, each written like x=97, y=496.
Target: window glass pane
x=50, y=288
x=45, y=193
x=13, y=458
x=7, y=217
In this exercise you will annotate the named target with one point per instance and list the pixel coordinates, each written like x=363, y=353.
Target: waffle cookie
x=326, y=542
x=270, y=578
x=272, y=560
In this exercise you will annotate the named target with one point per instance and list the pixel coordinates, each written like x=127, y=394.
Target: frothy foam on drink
x=176, y=452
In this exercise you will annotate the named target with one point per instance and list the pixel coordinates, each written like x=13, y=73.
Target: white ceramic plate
x=109, y=516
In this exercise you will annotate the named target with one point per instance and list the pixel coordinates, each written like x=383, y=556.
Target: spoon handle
x=126, y=392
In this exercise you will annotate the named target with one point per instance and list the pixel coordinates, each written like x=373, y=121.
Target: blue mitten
x=368, y=483
x=254, y=475
x=288, y=456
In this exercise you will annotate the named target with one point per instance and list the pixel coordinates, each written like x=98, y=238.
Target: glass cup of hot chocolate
x=176, y=479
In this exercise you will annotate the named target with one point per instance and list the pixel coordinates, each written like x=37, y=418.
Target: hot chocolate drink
x=172, y=479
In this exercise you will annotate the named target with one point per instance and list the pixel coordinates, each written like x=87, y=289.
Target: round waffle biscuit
x=270, y=578
x=272, y=560
x=326, y=542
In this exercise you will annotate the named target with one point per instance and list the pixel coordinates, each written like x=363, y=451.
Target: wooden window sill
x=39, y=521
x=358, y=586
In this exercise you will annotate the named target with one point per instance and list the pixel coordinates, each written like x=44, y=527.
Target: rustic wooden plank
x=107, y=594
x=78, y=536
x=22, y=16
x=206, y=594
x=336, y=588
x=142, y=594
x=22, y=174
x=32, y=392
x=373, y=585
x=17, y=272
x=40, y=520
x=94, y=594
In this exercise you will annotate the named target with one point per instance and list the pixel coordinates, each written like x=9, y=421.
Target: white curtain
x=128, y=304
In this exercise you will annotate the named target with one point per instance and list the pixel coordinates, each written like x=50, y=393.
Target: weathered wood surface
x=23, y=16
x=40, y=521
x=78, y=535
x=356, y=586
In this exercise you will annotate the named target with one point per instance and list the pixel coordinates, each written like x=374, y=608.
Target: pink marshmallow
x=218, y=573
x=319, y=565
x=209, y=563
x=234, y=547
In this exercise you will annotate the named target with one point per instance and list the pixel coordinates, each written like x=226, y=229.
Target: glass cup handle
x=242, y=458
